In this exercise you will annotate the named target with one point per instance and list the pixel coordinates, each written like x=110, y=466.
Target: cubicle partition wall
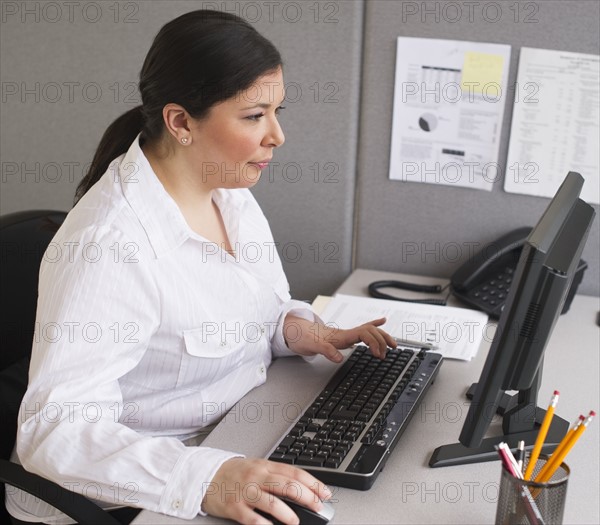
x=70, y=68
x=429, y=229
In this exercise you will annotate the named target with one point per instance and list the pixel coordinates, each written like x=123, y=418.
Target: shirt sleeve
x=97, y=309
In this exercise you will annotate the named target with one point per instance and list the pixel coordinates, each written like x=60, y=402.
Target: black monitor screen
x=540, y=285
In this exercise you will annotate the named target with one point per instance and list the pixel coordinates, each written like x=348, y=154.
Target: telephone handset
x=484, y=280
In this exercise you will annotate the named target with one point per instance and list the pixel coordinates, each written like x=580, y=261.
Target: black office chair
x=24, y=237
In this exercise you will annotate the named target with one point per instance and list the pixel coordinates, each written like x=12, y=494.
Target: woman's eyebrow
x=263, y=105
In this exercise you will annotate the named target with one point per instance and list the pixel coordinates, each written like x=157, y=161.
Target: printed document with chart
x=448, y=108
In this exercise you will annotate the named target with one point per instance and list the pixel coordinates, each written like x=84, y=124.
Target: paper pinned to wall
x=448, y=109
x=555, y=124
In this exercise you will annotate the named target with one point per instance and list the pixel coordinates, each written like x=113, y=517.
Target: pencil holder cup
x=530, y=503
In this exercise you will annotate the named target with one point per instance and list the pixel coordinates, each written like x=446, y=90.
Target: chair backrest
x=24, y=237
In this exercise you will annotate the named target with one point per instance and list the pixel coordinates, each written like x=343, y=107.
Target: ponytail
x=115, y=141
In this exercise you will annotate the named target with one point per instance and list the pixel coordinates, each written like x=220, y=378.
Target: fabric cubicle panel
x=69, y=70
x=309, y=196
x=423, y=228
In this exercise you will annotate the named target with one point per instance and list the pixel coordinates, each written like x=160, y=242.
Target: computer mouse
x=307, y=516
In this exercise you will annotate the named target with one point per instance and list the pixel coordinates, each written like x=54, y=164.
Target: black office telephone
x=484, y=280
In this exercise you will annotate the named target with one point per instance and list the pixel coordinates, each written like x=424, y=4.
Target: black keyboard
x=345, y=436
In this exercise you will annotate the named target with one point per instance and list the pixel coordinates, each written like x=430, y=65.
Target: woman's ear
x=177, y=122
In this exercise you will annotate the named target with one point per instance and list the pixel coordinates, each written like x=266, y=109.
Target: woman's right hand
x=241, y=485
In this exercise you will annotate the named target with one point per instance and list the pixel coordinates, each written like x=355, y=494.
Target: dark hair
x=196, y=60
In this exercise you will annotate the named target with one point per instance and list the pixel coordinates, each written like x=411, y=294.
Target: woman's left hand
x=311, y=338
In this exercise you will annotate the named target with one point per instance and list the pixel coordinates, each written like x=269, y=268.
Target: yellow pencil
x=565, y=440
x=541, y=437
x=562, y=444
x=556, y=459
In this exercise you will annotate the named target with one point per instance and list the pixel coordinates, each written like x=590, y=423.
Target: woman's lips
x=261, y=165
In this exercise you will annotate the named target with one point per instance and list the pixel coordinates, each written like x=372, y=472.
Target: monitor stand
x=517, y=425
x=507, y=401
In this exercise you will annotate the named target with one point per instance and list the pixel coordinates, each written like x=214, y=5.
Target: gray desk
x=408, y=491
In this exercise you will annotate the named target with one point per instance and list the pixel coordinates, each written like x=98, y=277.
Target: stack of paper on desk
x=457, y=332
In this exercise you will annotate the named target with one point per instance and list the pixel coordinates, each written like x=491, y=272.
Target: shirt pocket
x=208, y=357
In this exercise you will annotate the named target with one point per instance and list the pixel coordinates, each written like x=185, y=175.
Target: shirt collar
x=156, y=210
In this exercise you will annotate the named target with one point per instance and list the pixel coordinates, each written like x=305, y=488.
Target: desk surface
x=408, y=491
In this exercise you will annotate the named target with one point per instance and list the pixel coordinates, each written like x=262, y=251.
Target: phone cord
x=402, y=285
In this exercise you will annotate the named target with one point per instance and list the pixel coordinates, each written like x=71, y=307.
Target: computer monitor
x=540, y=285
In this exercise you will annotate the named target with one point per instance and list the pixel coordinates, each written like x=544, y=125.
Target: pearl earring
x=184, y=140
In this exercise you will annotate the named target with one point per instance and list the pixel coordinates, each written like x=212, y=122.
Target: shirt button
x=176, y=504
x=223, y=343
x=262, y=369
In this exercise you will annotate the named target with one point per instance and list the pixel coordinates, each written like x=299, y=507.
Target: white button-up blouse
x=145, y=333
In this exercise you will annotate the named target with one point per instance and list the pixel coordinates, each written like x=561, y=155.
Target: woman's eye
x=260, y=115
x=255, y=117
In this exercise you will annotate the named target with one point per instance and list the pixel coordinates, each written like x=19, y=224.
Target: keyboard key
x=283, y=458
x=313, y=427
x=351, y=435
x=313, y=410
x=310, y=461
x=333, y=462
x=322, y=434
x=364, y=416
x=338, y=454
x=337, y=435
x=344, y=414
x=287, y=441
x=346, y=444
x=357, y=426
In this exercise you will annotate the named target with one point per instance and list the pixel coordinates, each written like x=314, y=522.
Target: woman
x=152, y=314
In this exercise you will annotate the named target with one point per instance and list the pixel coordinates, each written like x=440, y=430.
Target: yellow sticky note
x=482, y=72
